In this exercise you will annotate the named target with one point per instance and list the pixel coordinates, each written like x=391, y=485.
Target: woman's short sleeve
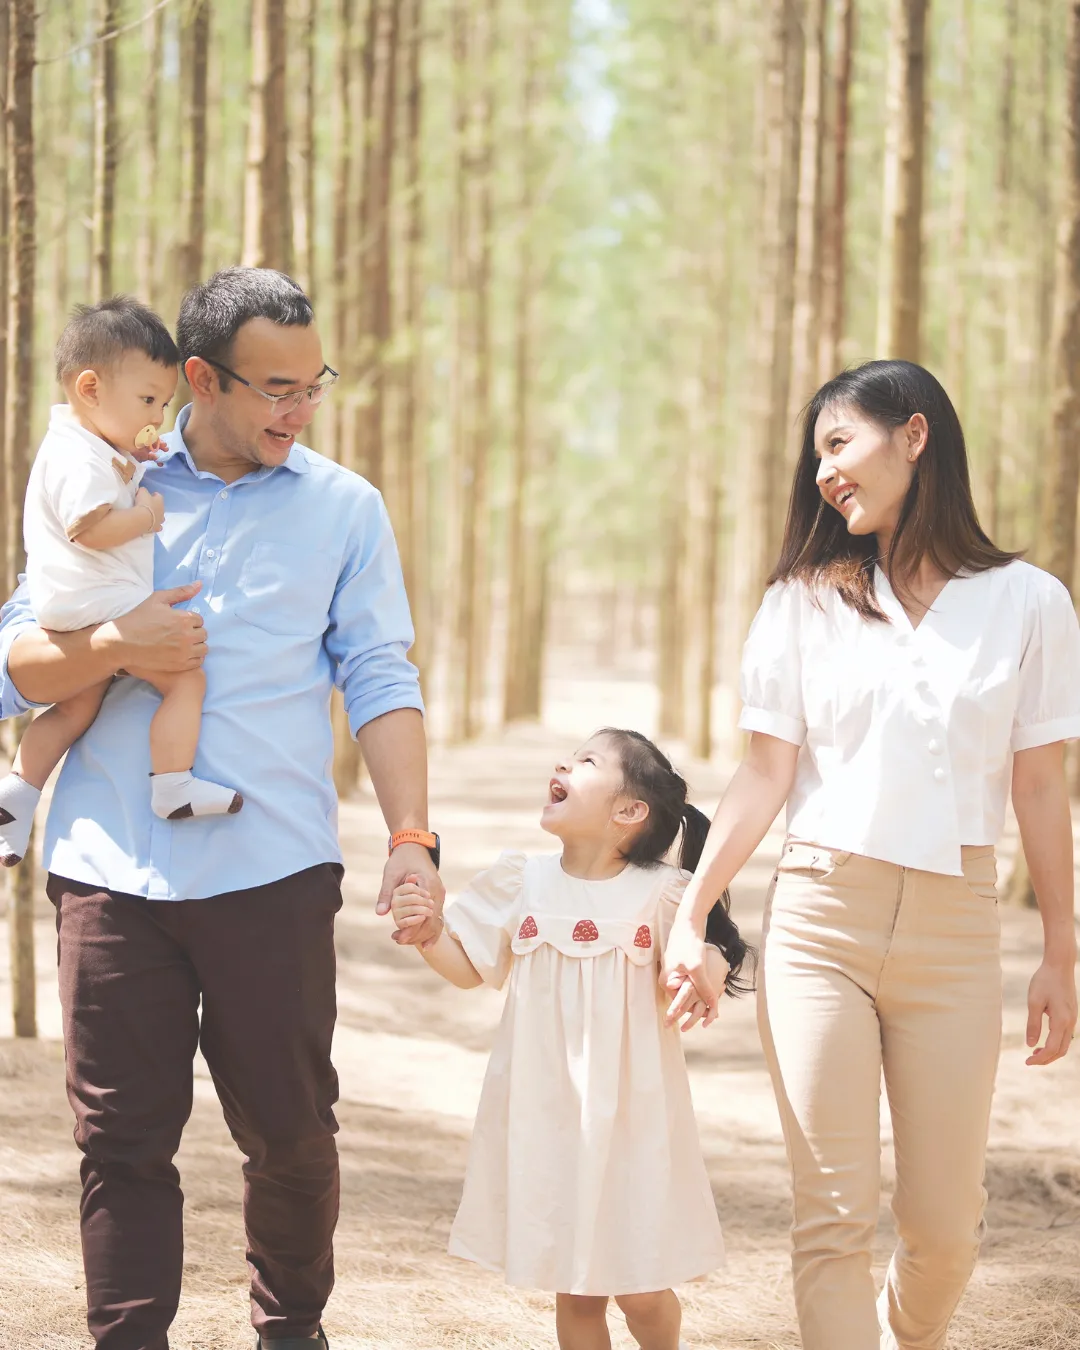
x=771, y=681
x=1048, y=706
x=483, y=917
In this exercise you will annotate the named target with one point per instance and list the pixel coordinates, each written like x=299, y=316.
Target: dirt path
x=411, y=1053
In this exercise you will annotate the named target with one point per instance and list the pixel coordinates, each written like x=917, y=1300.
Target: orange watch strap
x=422, y=837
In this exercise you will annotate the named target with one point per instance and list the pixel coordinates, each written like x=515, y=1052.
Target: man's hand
x=412, y=863
x=156, y=637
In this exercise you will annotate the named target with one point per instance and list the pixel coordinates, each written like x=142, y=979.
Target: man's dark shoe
x=294, y=1342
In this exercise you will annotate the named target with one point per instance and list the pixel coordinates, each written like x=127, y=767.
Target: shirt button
x=934, y=747
x=939, y=775
x=223, y=494
x=210, y=553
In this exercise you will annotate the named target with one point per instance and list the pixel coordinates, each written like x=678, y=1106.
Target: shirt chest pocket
x=285, y=589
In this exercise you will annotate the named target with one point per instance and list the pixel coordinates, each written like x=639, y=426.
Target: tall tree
x=105, y=146
x=304, y=196
x=809, y=239
x=959, y=192
x=900, y=269
x=19, y=392
x=1061, y=481
x=834, y=229
x=147, y=264
x=267, y=209
x=195, y=64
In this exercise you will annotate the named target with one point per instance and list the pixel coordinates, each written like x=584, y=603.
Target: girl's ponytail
x=720, y=928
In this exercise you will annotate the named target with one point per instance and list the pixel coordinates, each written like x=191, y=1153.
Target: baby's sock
x=175, y=796
x=18, y=799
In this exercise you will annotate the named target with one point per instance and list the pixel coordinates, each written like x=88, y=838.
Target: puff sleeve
x=1048, y=702
x=771, y=677
x=483, y=917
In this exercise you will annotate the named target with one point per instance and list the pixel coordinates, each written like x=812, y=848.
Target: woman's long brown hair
x=937, y=520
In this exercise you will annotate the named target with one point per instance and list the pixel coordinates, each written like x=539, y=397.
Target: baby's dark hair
x=650, y=777
x=98, y=335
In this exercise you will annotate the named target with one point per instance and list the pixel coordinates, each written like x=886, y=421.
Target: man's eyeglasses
x=283, y=403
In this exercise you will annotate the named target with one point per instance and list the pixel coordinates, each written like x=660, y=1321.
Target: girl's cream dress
x=585, y=1174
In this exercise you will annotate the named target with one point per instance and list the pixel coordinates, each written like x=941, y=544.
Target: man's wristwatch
x=422, y=837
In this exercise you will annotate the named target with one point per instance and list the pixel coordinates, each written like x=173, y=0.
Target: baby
x=89, y=528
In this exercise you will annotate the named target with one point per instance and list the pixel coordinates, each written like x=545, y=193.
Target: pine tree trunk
x=343, y=204
x=367, y=434
x=809, y=239
x=267, y=209
x=414, y=496
x=17, y=449
x=671, y=615
x=306, y=30
x=517, y=529
x=5, y=250
x=834, y=249
x=105, y=148
x=195, y=48
x=956, y=299
x=147, y=269
x=900, y=274
x=1062, y=476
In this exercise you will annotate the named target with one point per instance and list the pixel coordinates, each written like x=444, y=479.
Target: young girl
x=585, y=1175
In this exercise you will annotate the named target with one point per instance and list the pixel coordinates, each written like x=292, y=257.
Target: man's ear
x=87, y=384
x=632, y=813
x=202, y=378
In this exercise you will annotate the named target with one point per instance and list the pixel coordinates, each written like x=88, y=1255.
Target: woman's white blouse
x=908, y=734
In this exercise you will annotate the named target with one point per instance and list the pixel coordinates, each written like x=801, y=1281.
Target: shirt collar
x=297, y=461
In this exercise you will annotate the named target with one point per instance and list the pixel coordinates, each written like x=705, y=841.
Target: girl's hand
x=410, y=904
x=687, y=1008
x=684, y=962
x=1052, y=994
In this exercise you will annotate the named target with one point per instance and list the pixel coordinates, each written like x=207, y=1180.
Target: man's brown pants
x=132, y=975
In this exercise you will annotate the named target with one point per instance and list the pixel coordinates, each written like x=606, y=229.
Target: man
x=277, y=568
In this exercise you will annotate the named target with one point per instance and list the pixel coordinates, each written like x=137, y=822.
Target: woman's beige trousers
x=870, y=967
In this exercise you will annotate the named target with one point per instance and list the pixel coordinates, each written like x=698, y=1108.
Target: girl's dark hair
x=648, y=775
x=937, y=519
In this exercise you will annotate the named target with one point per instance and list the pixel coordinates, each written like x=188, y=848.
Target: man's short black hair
x=212, y=313
x=98, y=335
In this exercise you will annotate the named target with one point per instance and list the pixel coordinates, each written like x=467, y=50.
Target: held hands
x=155, y=504
x=686, y=974
x=412, y=905
x=411, y=865
x=1051, y=994
x=687, y=1008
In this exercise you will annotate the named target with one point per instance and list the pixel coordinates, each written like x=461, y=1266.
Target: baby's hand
x=154, y=503
x=148, y=445
x=410, y=904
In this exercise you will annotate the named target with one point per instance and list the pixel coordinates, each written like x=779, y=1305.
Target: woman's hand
x=1051, y=994
x=684, y=965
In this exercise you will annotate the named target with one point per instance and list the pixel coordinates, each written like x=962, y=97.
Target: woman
x=900, y=673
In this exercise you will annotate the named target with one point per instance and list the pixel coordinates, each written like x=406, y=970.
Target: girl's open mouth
x=556, y=792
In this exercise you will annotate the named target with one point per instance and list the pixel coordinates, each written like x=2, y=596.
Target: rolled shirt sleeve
x=371, y=629
x=771, y=676
x=16, y=617
x=1048, y=706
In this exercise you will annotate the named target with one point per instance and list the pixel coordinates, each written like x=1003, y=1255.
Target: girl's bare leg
x=652, y=1319
x=45, y=742
x=581, y=1322
x=174, y=738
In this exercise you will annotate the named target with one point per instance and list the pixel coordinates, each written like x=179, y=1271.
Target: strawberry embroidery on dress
x=643, y=937
x=586, y=931
x=528, y=928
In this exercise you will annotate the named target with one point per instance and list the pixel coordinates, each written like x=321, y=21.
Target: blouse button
x=934, y=747
x=939, y=775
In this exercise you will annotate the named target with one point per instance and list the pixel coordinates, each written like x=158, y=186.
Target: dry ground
x=411, y=1053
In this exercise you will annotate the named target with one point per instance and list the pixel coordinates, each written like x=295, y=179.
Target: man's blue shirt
x=301, y=589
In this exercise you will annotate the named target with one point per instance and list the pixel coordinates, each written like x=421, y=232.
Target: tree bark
x=195, y=56
x=900, y=273
x=5, y=251
x=147, y=265
x=105, y=149
x=267, y=210
x=956, y=299
x=808, y=246
x=343, y=180
x=17, y=450
x=834, y=249
x=1062, y=475
x=304, y=168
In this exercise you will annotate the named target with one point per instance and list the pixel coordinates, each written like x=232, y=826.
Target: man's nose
x=297, y=418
